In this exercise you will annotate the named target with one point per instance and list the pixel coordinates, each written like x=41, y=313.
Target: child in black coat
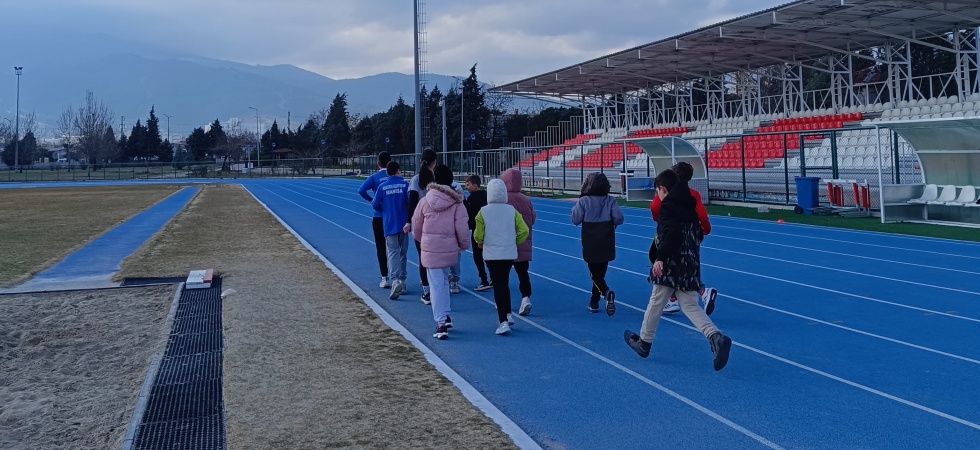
x=476, y=199
x=677, y=270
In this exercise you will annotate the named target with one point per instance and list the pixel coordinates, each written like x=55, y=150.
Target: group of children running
x=497, y=224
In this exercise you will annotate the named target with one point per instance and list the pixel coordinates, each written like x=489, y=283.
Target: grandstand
x=735, y=91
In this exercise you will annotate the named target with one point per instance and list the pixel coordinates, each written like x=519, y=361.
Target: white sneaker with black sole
x=483, y=287
x=672, y=307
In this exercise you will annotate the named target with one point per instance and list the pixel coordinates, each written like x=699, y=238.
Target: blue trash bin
x=807, y=194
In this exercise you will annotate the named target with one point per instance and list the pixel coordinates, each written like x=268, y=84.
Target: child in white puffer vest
x=499, y=230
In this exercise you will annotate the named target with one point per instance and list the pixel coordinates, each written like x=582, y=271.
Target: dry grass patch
x=40, y=226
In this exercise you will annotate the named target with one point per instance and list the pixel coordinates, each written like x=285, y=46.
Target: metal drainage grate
x=186, y=408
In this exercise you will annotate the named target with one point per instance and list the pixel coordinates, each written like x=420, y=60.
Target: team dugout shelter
x=733, y=96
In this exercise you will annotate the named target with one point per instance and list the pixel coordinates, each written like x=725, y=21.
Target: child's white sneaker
x=525, y=308
x=503, y=328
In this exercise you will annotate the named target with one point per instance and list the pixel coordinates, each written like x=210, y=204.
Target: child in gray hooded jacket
x=599, y=215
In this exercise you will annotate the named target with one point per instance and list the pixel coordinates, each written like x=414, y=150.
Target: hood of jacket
x=512, y=179
x=496, y=191
x=442, y=197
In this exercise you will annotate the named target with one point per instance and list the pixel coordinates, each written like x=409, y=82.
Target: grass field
x=39, y=227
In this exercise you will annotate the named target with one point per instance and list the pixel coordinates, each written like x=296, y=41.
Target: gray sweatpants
x=397, y=250
x=689, y=305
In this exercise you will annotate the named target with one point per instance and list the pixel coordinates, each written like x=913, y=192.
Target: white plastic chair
x=968, y=196
x=929, y=193
x=948, y=194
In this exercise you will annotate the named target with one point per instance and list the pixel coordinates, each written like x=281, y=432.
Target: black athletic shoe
x=483, y=286
x=610, y=302
x=709, y=295
x=721, y=345
x=449, y=322
x=638, y=345
x=594, y=306
x=442, y=332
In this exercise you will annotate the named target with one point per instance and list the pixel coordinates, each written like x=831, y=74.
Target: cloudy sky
x=509, y=39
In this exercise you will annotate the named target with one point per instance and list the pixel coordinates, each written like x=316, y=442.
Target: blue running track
x=843, y=339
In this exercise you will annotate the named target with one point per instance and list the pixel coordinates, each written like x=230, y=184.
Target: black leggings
x=598, y=273
x=521, y=267
x=423, y=274
x=500, y=274
x=379, y=244
x=478, y=258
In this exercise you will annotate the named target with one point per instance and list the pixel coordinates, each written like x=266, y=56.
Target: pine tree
x=152, y=140
x=336, y=129
x=136, y=144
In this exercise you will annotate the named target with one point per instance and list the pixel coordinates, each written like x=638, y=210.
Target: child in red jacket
x=708, y=295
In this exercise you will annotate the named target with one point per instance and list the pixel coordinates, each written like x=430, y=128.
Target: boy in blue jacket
x=371, y=184
x=391, y=201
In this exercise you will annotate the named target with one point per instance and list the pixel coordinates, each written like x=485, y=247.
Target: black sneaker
x=594, y=306
x=449, y=322
x=721, y=345
x=610, y=302
x=426, y=299
x=483, y=286
x=638, y=345
x=709, y=295
x=442, y=332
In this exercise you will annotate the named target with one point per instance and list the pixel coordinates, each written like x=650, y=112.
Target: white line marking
x=428, y=352
x=520, y=437
x=752, y=349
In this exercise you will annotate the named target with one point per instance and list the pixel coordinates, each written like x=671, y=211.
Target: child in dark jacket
x=476, y=199
x=708, y=295
x=599, y=215
x=677, y=270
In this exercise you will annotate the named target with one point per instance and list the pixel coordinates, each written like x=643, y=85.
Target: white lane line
x=761, y=352
x=801, y=366
x=808, y=318
x=766, y=276
x=808, y=249
x=520, y=437
x=839, y=241
x=834, y=291
x=428, y=352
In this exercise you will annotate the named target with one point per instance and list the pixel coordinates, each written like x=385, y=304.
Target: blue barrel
x=807, y=194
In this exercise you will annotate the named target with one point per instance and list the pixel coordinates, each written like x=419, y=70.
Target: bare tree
x=91, y=123
x=66, y=129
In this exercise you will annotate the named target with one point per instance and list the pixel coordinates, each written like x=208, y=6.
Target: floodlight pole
x=258, y=142
x=444, y=142
x=17, y=70
x=168, y=126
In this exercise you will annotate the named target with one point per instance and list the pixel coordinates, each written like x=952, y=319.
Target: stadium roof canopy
x=799, y=31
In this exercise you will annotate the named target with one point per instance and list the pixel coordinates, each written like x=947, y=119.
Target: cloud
x=509, y=39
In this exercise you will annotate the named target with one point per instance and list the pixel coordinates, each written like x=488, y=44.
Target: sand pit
x=72, y=364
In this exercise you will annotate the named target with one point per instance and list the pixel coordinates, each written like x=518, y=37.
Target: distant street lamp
x=462, y=111
x=17, y=70
x=168, y=126
x=258, y=142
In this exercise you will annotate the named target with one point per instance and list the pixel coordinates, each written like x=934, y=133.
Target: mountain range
x=131, y=78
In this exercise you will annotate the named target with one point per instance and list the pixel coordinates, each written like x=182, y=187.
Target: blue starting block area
x=843, y=339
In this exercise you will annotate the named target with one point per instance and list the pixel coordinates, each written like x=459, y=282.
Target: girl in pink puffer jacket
x=440, y=224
